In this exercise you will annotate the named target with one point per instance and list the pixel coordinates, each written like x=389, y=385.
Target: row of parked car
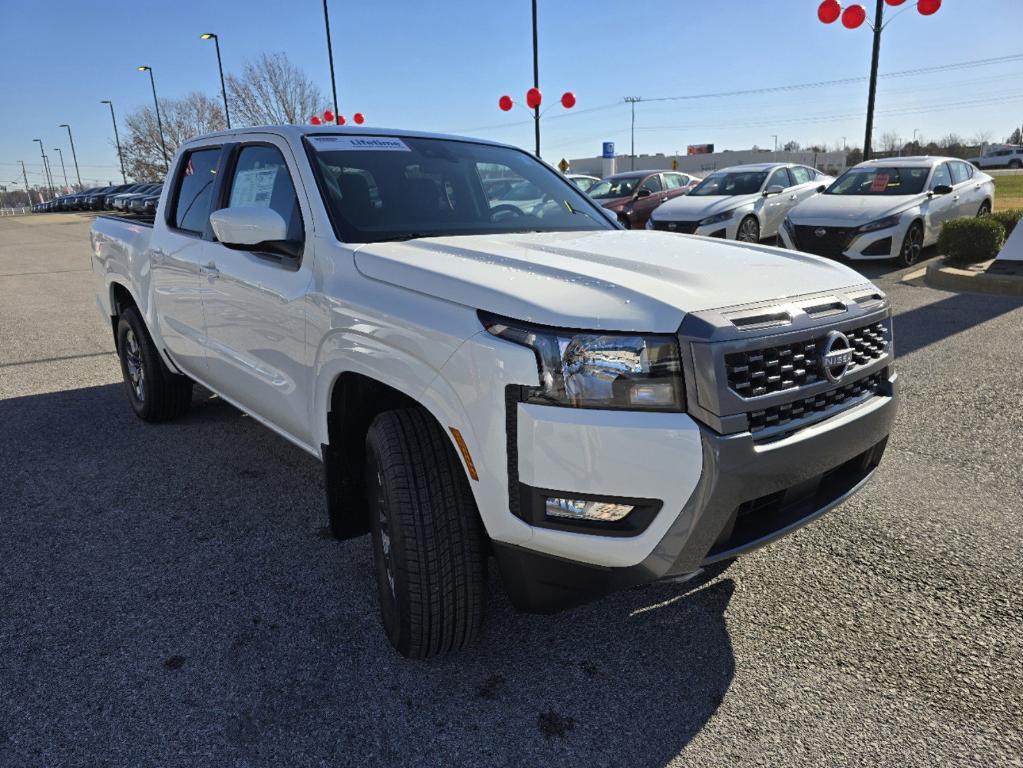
x=879, y=209
x=140, y=198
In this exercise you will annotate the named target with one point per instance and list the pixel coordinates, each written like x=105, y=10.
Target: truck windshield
x=730, y=184
x=380, y=188
x=880, y=181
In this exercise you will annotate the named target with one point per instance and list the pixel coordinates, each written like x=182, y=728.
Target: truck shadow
x=185, y=568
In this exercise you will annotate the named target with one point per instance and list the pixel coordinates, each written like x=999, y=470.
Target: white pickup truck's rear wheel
x=428, y=543
x=154, y=391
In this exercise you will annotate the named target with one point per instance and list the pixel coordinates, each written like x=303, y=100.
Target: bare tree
x=272, y=91
x=890, y=141
x=791, y=146
x=182, y=119
x=981, y=137
x=950, y=141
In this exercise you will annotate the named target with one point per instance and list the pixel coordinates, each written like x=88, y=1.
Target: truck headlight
x=606, y=370
x=886, y=223
x=717, y=218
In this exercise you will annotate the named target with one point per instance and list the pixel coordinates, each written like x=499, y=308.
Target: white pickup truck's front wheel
x=428, y=544
x=154, y=391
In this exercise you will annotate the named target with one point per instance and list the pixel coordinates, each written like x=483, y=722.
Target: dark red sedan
x=634, y=195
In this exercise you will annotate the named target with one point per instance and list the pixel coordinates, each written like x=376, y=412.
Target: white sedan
x=887, y=209
x=747, y=202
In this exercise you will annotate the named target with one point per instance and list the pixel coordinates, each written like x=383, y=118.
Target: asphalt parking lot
x=169, y=595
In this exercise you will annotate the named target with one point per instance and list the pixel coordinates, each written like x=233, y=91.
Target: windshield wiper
x=404, y=236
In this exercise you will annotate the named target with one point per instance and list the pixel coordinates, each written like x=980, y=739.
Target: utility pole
x=46, y=166
x=536, y=81
x=73, y=155
x=24, y=175
x=631, y=101
x=872, y=94
x=330, y=58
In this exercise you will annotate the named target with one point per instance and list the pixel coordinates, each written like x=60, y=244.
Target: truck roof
x=296, y=132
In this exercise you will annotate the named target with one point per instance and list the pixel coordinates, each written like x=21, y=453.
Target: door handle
x=210, y=270
x=955, y=197
x=793, y=197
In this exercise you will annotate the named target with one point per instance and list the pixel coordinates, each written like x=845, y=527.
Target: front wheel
x=912, y=245
x=154, y=391
x=985, y=210
x=428, y=543
x=749, y=230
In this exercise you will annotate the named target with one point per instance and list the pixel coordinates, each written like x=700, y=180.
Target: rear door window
x=195, y=190
x=801, y=175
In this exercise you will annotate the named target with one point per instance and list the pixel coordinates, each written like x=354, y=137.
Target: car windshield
x=616, y=186
x=880, y=181
x=388, y=188
x=728, y=184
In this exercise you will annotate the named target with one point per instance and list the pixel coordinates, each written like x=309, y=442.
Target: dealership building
x=703, y=163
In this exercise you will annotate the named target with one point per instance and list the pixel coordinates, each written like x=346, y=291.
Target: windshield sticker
x=880, y=182
x=253, y=188
x=358, y=143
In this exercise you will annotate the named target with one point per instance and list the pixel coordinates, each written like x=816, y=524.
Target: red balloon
x=533, y=98
x=340, y=119
x=829, y=11
x=928, y=7
x=315, y=120
x=568, y=99
x=895, y=2
x=505, y=103
x=328, y=116
x=854, y=16
x=359, y=118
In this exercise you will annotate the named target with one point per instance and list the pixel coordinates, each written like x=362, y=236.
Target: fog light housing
x=581, y=509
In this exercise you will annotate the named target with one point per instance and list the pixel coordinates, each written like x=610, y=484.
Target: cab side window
x=941, y=177
x=261, y=180
x=195, y=189
x=653, y=183
x=780, y=178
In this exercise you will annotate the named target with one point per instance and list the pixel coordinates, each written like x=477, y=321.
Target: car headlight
x=886, y=223
x=606, y=370
x=717, y=218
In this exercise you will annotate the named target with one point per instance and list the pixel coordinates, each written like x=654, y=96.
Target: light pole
x=117, y=140
x=73, y=155
x=775, y=143
x=24, y=176
x=632, y=101
x=216, y=40
x=62, y=167
x=46, y=166
x=330, y=59
x=159, y=123
x=536, y=81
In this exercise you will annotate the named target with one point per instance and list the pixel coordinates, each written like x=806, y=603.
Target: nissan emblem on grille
x=820, y=232
x=836, y=355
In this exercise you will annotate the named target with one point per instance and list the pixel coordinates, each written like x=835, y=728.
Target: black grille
x=774, y=369
x=682, y=227
x=782, y=414
x=833, y=242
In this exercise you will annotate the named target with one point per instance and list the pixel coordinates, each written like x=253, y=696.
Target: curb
x=976, y=280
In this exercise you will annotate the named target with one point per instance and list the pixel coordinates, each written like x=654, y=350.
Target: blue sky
x=442, y=65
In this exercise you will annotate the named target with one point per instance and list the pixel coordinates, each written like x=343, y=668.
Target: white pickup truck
x=596, y=408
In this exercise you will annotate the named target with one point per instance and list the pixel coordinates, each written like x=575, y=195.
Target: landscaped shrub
x=1008, y=219
x=969, y=241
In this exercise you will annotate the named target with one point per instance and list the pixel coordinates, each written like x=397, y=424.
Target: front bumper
x=748, y=494
x=877, y=245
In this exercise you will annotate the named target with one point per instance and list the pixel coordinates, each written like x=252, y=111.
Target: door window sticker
x=253, y=188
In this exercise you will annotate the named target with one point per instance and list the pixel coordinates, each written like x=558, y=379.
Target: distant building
x=703, y=164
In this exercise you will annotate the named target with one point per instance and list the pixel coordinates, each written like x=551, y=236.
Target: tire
x=428, y=543
x=749, y=230
x=154, y=391
x=985, y=209
x=912, y=245
x=624, y=221
x=1016, y=164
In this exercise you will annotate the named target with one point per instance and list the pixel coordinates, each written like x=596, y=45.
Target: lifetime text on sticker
x=359, y=143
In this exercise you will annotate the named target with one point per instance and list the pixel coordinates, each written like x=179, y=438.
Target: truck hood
x=850, y=210
x=606, y=280
x=689, y=208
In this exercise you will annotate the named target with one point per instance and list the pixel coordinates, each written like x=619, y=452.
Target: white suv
x=886, y=209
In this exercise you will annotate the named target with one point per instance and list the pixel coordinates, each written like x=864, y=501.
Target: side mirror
x=643, y=193
x=822, y=187
x=254, y=229
x=774, y=189
x=942, y=189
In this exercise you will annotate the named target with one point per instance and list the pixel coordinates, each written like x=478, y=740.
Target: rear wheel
x=912, y=245
x=154, y=391
x=428, y=543
x=1015, y=164
x=749, y=230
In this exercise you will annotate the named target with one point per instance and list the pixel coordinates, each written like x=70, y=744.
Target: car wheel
x=749, y=230
x=912, y=245
x=428, y=542
x=154, y=391
x=624, y=221
x=1016, y=164
x=985, y=209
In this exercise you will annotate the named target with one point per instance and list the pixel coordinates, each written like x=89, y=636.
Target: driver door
x=644, y=204
x=776, y=206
